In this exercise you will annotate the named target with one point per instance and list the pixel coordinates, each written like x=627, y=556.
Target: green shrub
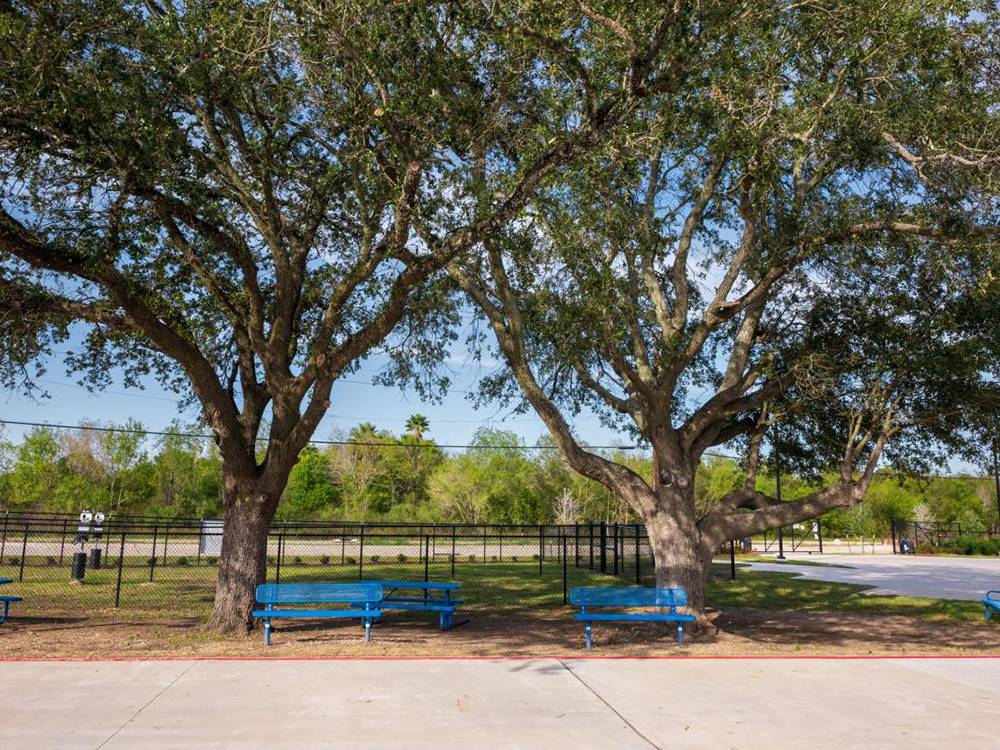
x=182, y=561
x=296, y=560
x=350, y=560
x=50, y=561
x=374, y=558
x=472, y=558
x=324, y=560
x=270, y=560
x=210, y=561
x=400, y=558
x=14, y=561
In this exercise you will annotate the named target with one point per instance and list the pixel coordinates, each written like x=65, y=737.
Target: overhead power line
x=372, y=444
x=165, y=433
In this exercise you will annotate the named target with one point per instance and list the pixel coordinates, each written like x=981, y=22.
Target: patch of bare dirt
x=741, y=632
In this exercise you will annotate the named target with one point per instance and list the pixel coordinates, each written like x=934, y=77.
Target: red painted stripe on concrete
x=574, y=657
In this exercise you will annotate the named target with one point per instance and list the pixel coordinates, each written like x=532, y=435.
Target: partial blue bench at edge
x=991, y=605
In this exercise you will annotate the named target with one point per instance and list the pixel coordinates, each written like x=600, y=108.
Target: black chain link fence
x=156, y=568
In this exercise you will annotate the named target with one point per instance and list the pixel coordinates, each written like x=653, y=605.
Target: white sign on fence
x=210, y=539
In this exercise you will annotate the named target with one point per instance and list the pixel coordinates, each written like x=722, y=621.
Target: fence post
x=732, y=559
x=819, y=537
x=166, y=537
x=277, y=567
x=541, y=547
x=638, y=571
x=614, y=542
x=3, y=540
x=501, y=541
x=453, y=550
x=590, y=546
x=604, y=547
x=564, y=567
x=427, y=556
x=62, y=541
x=576, y=545
x=484, y=544
x=118, y=580
x=152, y=559
x=24, y=550
x=361, y=554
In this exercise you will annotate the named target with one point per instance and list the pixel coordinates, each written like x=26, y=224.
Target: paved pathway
x=536, y=703
x=906, y=575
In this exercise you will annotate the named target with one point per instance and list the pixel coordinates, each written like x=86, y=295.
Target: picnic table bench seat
x=991, y=604
x=361, y=599
x=664, y=600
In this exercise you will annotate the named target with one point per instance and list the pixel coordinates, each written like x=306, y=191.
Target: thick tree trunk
x=242, y=563
x=681, y=561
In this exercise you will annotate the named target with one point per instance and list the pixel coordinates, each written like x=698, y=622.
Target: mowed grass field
x=187, y=590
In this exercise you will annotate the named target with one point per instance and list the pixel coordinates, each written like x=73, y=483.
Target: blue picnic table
x=435, y=596
x=7, y=600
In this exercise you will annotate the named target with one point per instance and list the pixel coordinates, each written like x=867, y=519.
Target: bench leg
x=986, y=613
x=587, y=634
x=267, y=632
x=6, y=609
x=680, y=634
x=368, y=629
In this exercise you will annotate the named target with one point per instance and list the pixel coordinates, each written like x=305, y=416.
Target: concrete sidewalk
x=903, y=575
x=536, y=703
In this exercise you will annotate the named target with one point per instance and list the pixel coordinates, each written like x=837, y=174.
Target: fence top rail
x=60, y=523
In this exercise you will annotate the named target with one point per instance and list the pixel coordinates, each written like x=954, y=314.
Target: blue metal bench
x=443, y=603
x=7, y=600
x=991, y=604
x=362, y=600
x=664, y=600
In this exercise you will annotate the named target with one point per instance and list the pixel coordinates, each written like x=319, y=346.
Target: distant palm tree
x=417, y=425
x=363, y=432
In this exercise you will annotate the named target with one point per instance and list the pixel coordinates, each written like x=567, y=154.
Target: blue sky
x=355, y=399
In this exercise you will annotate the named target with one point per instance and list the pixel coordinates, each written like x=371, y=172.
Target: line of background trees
x=377, y=475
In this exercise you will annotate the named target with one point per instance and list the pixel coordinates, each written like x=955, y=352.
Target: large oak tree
x=796, y=251
x=223, y=194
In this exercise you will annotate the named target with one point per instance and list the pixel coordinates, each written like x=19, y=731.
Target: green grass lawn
x=187, y=590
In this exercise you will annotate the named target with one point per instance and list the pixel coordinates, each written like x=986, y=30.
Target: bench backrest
x=628, y=596
x=318, y=593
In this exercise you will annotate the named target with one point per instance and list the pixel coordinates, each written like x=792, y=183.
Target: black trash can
x=79, y=566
